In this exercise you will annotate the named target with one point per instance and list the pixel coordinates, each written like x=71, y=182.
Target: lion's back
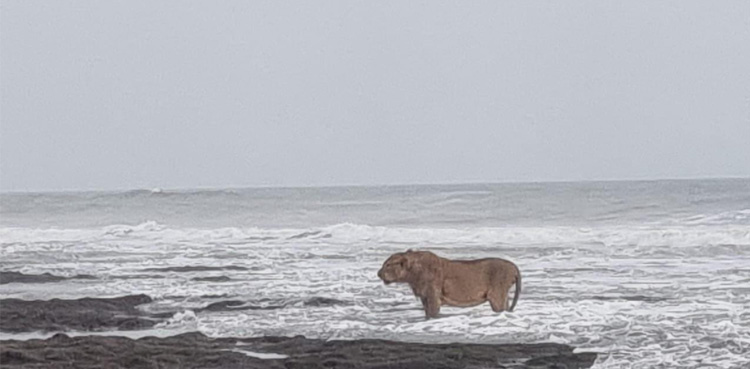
x=482, y=271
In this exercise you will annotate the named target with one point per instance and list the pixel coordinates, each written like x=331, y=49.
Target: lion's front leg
x=431, y=304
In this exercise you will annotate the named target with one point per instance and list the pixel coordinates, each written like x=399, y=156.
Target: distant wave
x=726, y=217
x=652, y=235
x=160, y=192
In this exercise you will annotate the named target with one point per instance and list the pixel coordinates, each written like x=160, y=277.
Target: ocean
x=648, y=274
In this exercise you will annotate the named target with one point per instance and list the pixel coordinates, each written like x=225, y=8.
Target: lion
x=463, y=283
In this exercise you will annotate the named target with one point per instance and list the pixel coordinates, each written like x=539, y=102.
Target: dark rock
x=86, y=314
x=566, y=361
x=305, y=235
x=215, y=296
x=324, y=301
x=17, y=277
x=266, y=304
x=138, y=276
x=195, y=268
x=221, y=278
x=232, y=305
x=194, y=350
x=630, y=298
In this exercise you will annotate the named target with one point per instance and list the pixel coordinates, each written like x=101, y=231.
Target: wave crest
x=349, y=233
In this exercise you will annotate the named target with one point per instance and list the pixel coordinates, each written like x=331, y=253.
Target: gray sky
x=179, y=94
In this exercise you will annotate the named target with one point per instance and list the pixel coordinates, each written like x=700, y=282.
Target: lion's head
x=395, y=269
x=410, y=267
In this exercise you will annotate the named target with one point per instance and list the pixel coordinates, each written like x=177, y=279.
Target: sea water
x=647, y=274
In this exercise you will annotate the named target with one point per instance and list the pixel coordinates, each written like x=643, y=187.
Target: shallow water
x=648, y=274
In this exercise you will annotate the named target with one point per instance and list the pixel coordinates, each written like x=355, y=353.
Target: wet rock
x=221, y=278
x=233, y=305
x=318, y=301
x=305, y=235
x=138, y=276
x=194, y=350
x=17, y=277
x=630, y=298
x=195, y=268
x=87, y=314
x=566, y=361
x=267, y=304
x=215, y=296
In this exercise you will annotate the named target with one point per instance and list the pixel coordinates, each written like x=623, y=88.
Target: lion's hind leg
x=498, y=297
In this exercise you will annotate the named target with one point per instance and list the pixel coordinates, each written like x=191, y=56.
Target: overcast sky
x=182, y=94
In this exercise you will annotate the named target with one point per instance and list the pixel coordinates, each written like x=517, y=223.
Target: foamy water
x=641, y=285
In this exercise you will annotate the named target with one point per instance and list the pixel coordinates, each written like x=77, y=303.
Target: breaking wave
x=608, y=236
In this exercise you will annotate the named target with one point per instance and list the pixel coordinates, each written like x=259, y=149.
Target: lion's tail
x=518, y=289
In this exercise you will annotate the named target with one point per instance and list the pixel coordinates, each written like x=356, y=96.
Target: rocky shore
x=86, y=314
x=195, y=350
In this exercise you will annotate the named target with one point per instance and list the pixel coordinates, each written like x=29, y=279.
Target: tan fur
x=438, y=281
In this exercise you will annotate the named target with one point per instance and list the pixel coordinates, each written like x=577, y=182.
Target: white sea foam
x=180, y=318
x=672, y=295
x=261, y=355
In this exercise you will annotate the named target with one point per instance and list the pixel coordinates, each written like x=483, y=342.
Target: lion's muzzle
x=381, y=275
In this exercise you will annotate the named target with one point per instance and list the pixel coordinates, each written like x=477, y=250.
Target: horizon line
x=354, y=185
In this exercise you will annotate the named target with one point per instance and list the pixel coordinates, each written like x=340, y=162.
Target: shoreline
x=196, y=350
x=107, y=332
